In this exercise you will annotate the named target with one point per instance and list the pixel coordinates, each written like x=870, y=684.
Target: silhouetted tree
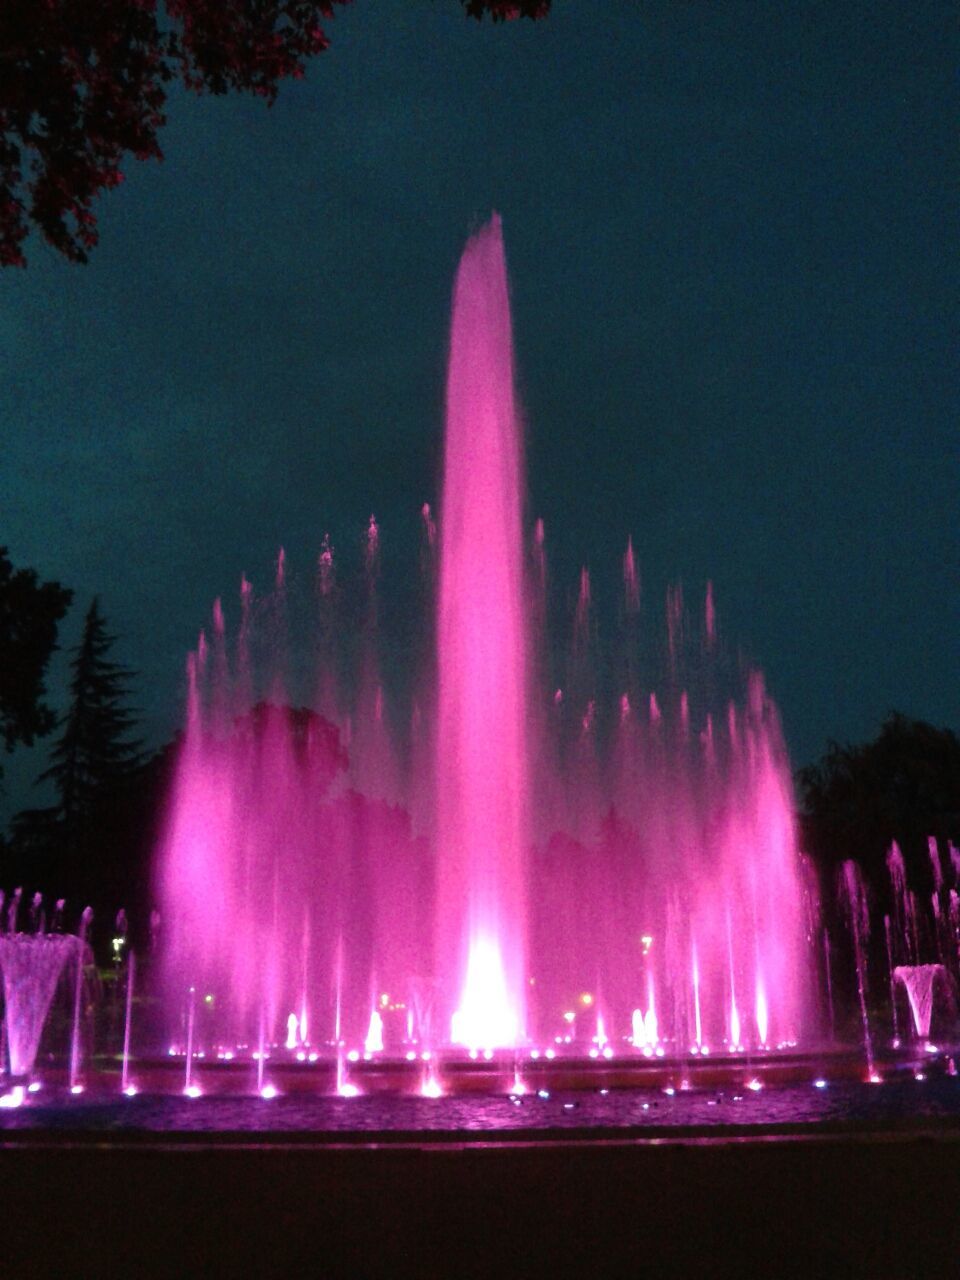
x=903, y=786
x=94, y=755
x=83, y=84
x=506, y=10
x=30, y=612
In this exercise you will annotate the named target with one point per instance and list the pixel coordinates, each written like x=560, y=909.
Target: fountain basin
x=457, y=1075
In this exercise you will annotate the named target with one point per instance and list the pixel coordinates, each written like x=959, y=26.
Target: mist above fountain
x=502, y=862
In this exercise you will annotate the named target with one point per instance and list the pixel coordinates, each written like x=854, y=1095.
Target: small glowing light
x=659, y=1051
x=669, y=1091
x=348, y=1090
x=426, y=1055
x=569, y=1016
x=534, y=1054
x=33, y=1086
x=268, y=1091
x=312, y=1057
x=301, y=1056
x=646, y=942
x=646, y=1106
x=607, y=1052
x=14, y=1098
x=684, y=1086
x=704, y=1050
x=694, y=1049
x=593, y=1052
x=193, y=1091
x=604, y=1092
x=208, y=999
x=488, y=1054
x=543, y=1093
x=76, y=1088
x=384, y=1000
x=473, y=1054
x=228, y=1055
x=293, y=1028
x=172, y=1052
x=550, y=1053
x=569, y=1106
x=919, y=1075
x=754, y=1086
x=131, y=1091
x=875, y=1079
x=431, y=1089
x=353, y=1055
x=586, y=999
x=410, y=1055
x=930, y=1048
x=819, y=1084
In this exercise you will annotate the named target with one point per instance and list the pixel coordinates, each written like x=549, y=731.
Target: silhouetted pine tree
x=94, y=756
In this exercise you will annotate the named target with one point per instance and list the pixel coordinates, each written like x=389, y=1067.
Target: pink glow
x=710, y=617
x=761, y=1012
x=431, y=1087
x=631, y=582
x=429, y=525
x=373, y=1042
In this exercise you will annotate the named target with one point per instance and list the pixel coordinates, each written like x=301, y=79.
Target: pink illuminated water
x=513, y=856
x=481, y=752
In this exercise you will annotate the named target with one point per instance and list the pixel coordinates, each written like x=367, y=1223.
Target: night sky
x=732, y=238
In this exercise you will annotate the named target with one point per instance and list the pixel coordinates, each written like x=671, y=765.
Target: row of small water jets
x=922, y=949
x=910, y=932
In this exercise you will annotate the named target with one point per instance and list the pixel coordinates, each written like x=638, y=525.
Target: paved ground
x=824, y=1206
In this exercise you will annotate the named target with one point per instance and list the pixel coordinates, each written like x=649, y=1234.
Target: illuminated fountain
x=919, y=981
x=506, y=865
x=482, y=788
x=31, y=966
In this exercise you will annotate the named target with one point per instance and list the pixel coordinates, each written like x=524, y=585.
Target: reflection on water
x=885, y=1105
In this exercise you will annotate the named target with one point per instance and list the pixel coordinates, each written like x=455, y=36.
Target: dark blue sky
x=732, y=238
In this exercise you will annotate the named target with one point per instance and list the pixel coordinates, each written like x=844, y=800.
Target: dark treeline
x=93, y=843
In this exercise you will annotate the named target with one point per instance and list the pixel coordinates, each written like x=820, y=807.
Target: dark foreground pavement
x=829, y=1205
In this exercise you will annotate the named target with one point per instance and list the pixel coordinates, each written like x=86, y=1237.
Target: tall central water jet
x=482, y=663
x=654, y=881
